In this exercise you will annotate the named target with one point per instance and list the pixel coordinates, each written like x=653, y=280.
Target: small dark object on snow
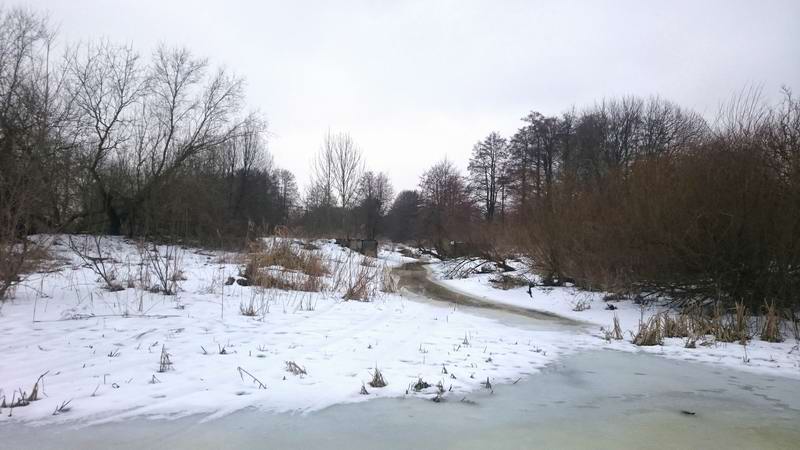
x=230, y=281
x=487, y=385
x=363, y=390
x=420, y=385
x=531, y=285
x=243, y=282
x=688, y=413
x=610, y=307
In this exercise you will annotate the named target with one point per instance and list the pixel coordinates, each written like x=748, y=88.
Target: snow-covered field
x=758, y=356
x=101, y=350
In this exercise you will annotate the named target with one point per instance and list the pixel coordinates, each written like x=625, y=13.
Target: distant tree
x=375, y=195
x=347, y=167
x=288, y=194
x=486, y=168
x=323, y=175
x=402, y=218
x=446, y=203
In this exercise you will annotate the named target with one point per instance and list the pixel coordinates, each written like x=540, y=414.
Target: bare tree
x=347, y=167
x=288, y=194
x=486, y=171
x=145, y=125
x=106, y=83
x=336, y=172
x=446, y=205
x=323, y=174
x=375, y=195
x=31, y=114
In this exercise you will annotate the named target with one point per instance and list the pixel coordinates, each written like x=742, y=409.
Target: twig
x=258, y=382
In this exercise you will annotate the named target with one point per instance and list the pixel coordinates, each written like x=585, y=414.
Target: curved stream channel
x=591, y=400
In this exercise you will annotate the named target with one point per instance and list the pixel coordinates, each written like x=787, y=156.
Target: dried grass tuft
x=295, y=369
x=165, y=363
x=377, y=379
x=616, y=332
x=650, y=332
x=771, y=329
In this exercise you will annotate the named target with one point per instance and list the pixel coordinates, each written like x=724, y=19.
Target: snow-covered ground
x=101, y=350
x=758, y=356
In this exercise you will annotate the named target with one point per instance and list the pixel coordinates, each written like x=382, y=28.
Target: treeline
x=636, y=196
x=96, y=137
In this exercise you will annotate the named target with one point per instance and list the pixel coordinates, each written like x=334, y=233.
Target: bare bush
x=91, y=250
x=166, y=265
x=361, y=285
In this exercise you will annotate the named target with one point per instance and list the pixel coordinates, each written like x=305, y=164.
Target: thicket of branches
x=97, y=137
x=631, y=195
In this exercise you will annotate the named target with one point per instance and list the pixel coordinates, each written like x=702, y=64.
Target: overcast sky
x=416, y=81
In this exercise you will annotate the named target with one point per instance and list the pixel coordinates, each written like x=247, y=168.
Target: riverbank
x=758, y=356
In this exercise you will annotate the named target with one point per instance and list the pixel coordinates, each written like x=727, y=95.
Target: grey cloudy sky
x=416, y=81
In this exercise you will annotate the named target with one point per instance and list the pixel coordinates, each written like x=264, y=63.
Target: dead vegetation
x=695, y=323
x=582, y=305
x=165, y=263
x=278, y=264
x=164, y=362
x=650, y=332
x=252, y=377
x=93, y=252
x=420, y=385
x=505, y=282
x=771, y=327
x=63, y=407
x=20, y=398
x=616, y=331
x=281, y=252
x=377, y=379
x=248, y=309
x=295, y=369
x=361, y=285
x=18, y=257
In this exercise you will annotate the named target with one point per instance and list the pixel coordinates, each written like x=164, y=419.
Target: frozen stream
x=599, y=399
x=591, y=400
